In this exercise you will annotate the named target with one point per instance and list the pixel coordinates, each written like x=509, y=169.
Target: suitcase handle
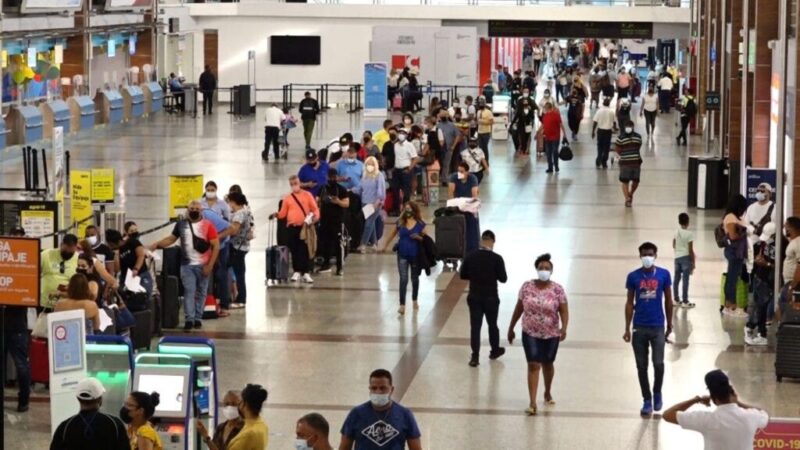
x=272, y=230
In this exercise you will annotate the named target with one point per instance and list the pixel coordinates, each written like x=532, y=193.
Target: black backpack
x=691, y=108
x=720, y=236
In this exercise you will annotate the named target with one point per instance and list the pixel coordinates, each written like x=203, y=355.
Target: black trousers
x=478, y=309
x=684, y=126
x=299, y=250
x=271, y=138
x=329, y=244
x=354, y=220
x=208, y=96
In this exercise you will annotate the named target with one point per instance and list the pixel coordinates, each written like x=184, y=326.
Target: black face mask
x=81, y=270
x=134, y=235
x=194, y=215
x=125, y=415
x=65, y=255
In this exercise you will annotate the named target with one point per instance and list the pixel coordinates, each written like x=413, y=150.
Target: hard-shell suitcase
x=211, y=308
x=277, y=260
x=450, y=236
x=170, y=302
x=741, y=293
x=787, y=350
x=397, y=102
x=142, y=333
x=40, y=366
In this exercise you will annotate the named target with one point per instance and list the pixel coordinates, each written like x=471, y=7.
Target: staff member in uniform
x=484, y=269
x=90, y=429
x=309, y=108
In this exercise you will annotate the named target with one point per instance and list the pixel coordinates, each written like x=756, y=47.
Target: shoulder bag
x=199, y=244
x=308, y=233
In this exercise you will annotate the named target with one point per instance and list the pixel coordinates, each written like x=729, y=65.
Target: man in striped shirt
x=627, y=146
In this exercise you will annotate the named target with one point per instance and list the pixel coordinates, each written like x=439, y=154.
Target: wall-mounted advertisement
x=375, y=89
x=128, y=5
x=43, y=6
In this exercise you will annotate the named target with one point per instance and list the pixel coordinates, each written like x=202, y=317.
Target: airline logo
x=401, y=61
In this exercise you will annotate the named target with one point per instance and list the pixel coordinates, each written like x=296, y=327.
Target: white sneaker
x=307, y=279
x=740, y=313
x=296, y=276
x=760, y=341
x=361, y=249
x=748, y=332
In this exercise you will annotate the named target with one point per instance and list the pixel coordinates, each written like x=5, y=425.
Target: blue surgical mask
x=379, y=400
x=301, y=444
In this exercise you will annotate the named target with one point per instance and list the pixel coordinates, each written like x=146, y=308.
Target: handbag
x=125, y=318
x=40, y=327
x=565, y=154
x=200, y=245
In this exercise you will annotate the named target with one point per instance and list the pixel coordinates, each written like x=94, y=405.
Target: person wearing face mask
x=408, y=122
x=791, y=265
x=688, y=108
x=381, y=137
x=650, y=111
x=199, y=244
x=475, y=159
x=226, y=430
x=410, y=229
x=86, y=268
x=760, y=213
x=485, y=119
x=595, y=80
x=314, y=173
x=57, y=266
x=552, y=132
x=623, y=111
x=368, y=146
x=405, y=159
x=540, y=305
x=312, y=433
x=255, y=433
x=334, y=202
x=372, y=191
x=350, y=171
x=381, y=423
x=465, y=185
x=602, y=127
x=137, y=411
x=212, y=201
x=628, y=146
x=298, y=208
x=90, y=429
x=242, y=223
x=79, y=296
x=524, y=121
x=576, y=100
x=102, y=251
x=132, y=255
x=649, y=308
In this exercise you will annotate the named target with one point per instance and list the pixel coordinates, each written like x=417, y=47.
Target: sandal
x=549, y=401
x=224, y=313
x=531, y=411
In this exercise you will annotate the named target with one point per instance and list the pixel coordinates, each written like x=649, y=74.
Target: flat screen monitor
x=294, y=50
x=43, y=6
x=172, y=388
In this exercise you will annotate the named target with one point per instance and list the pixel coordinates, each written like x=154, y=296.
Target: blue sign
x=756, y=177
x=713, y=54
x=376, y=92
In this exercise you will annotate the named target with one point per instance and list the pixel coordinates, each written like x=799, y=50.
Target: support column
x=766, y=29
x=734, y=93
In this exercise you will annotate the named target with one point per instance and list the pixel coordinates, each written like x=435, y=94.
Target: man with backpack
x=688, y=112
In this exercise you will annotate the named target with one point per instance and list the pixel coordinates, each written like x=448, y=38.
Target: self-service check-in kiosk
x=204, y=357
x=153, y=97
x=82, y=112
x=172, y=377
x=55, y=114
x=25, y=123
x=501, y=109
x=133, y=101
x=110, y=360
x=110, y=104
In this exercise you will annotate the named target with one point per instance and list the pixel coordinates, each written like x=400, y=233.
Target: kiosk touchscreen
x=173, y=417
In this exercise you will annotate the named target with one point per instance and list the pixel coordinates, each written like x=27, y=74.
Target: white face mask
x=544, y=275
x=648, y=261
x=760, y=196
x=92, y=240
x=546, y=94
x=344, y=147
x=301, y=444
x=526, y=110
x=370, y=169
x=401, y=137
x=379, y=400
x=351, y=159
x=628, y=130
x=408, y=122
x=461, y=176
x=211, y=194
x=230, y=412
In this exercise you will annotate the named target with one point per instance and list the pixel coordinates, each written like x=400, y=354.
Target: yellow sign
x=81, y=198
x=182, y=190
x=102, y=185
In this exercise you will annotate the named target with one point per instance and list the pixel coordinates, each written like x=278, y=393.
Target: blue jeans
x=222, y=283
x=236, y=262
x=643, y=339
x=403, y=265
x=551, y=150
x=762, y=294
x=370, y=235
x=17, y=346
x=735, y=267
x=683, y=270
x=195, y=287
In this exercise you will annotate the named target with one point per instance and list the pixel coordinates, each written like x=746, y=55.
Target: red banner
x=781, y=433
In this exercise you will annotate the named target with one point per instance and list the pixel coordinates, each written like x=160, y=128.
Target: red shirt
x=551, y=126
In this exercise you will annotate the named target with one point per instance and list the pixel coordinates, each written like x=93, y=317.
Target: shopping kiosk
x=110, y=360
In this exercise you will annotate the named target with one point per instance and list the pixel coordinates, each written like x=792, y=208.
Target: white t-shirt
x=650, y=102
x=665, y=84
x=273, y=117
x=473, y=158
x=404, y=152
x=757, y=211
x=682, y=240
x=792, y=258
x=604, y=117
x=728, y=427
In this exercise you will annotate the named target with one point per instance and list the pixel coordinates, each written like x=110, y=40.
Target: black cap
x=311, y=153
x=718, y=384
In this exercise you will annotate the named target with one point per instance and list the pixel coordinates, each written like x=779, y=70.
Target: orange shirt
x=292, y=212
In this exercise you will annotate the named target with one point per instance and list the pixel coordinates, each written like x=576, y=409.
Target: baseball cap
x=718, y=383
x=311, y=154
x=89, y=389
x=766, y=186
x=767, y=232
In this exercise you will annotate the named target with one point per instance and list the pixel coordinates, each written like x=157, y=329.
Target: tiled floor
x=313, y=347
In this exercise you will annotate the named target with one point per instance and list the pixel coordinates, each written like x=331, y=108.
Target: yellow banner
x=182, y=190
x=102, y=185
x=81, y=198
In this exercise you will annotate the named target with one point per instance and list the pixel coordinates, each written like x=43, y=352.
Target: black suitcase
x=170, y=302
x=171, y=265
x=278, y=258
x=787, y=351
x=450, y=236
x=142, y=333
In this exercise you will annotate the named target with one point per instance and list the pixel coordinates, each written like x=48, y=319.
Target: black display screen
x=568, y=29
x=294, y=50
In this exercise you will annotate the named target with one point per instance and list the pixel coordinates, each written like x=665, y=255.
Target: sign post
x=19, y=287
x=103, y=186
x=182, y=190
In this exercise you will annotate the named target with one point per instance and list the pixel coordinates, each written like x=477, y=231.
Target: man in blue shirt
x=176, y=88
x=380, y=423
x=314, y=173
x=350, y=169
x=222, y=281
x=649, y=298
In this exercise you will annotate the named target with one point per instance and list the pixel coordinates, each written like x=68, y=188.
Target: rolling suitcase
x=142, y=333
x=211, y=307
x=40, y=366
x=397, y=102
x=170, y=302
x=741, y=293
x=787, y=350
x=450, y=236
x=277, y=260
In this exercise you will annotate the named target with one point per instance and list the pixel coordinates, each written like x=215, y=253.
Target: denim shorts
x=540, y=350
x=627, y=174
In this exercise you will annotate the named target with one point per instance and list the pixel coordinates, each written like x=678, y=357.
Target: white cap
x=89, y=389
x=765, y=186
x=767, y=232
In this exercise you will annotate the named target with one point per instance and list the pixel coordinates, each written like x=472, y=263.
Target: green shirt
x=53, y=275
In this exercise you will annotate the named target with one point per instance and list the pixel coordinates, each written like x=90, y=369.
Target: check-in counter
x=55, y=114
x=25, y=124
x=153, y=97
x=82, y=112
x=111, y=105
x=133, y=101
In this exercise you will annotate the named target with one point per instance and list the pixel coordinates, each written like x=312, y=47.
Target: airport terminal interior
x=124, y=85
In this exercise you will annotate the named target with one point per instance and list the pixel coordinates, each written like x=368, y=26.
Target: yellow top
x=254, y=436
x=55, y=272
x=380, y=138
x=146, y=431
